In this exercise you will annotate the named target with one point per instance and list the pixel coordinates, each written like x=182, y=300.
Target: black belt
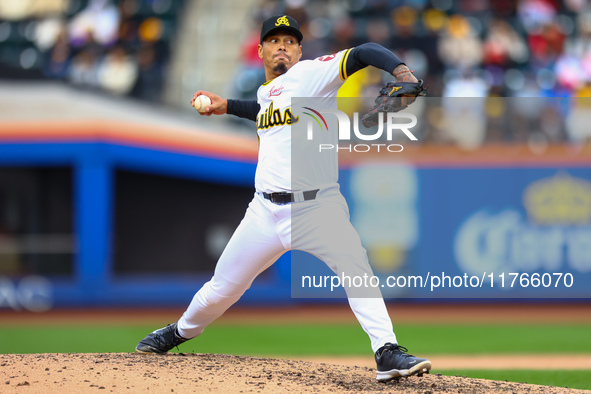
x=285, y=197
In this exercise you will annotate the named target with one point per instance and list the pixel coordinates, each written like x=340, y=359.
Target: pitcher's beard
x=280, y=69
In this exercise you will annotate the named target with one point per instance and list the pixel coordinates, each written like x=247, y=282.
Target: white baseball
x=201, y=102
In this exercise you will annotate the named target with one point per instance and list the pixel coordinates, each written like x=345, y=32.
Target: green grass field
x=282, y=340
x=572, y=379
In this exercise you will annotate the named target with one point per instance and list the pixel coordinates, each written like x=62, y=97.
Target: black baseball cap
x=281, y=22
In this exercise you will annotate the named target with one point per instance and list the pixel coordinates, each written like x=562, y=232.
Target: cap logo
x=282, y=21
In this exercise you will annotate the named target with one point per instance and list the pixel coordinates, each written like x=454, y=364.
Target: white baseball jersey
x=321, y=77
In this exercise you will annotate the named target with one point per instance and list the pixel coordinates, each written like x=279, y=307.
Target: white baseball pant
x=320, y=227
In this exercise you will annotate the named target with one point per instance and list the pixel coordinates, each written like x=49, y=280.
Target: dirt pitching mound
x=192, y=373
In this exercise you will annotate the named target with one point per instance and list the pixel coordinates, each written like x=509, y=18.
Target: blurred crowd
x=461, y=48
x=120, y=47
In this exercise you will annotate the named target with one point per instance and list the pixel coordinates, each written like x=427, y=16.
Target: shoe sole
x=419, y=370
x=150, y=351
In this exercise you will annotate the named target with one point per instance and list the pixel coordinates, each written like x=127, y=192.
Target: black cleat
x=394, y=362
x=160, y=341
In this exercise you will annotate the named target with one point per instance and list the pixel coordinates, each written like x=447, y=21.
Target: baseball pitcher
x=267, y=230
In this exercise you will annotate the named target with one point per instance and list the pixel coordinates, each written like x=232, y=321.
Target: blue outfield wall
x=500, y=225
x=93, y=282
x=462, y=233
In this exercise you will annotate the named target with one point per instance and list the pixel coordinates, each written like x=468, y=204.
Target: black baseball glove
x=391, y=100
